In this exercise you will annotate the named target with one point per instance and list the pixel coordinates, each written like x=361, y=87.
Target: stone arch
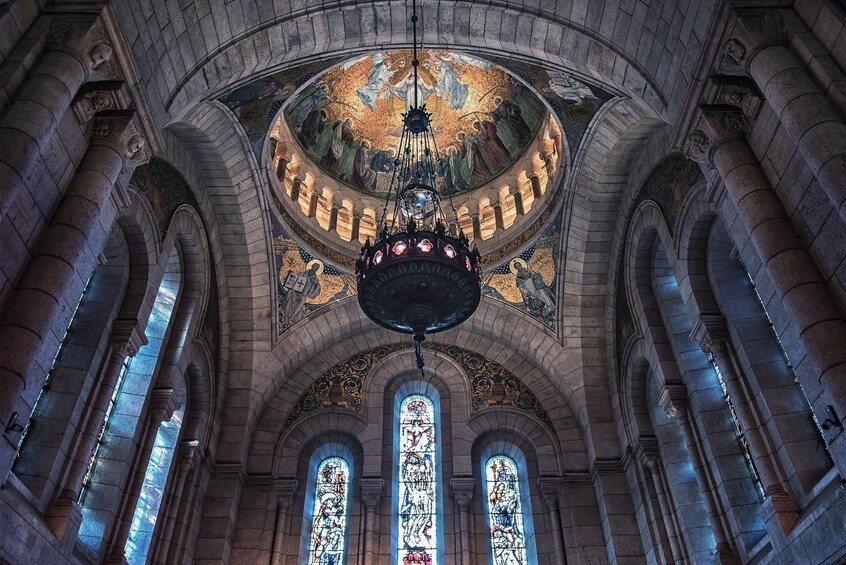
x=309, y=35
x=314, y=429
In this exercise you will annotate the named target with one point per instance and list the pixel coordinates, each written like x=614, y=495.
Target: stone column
x=371, y=498
x=549, y=491
x=356, y=227
x=462, y=493
x=162, y=405
x=500, y=221
x=285, y=490
x=676, y=408
x=791, y=269
x=127, y=338
x=518, y=203
x=536, y=187
x=759, y=48
x=651, y=464
x=29, y=122
x=38, y=311
x=187, y=456
x=710, y=332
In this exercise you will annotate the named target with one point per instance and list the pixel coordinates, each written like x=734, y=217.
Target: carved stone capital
x=371, y=492
x=722, y=121
x=673, y=400
x=754, y=30
x=116, y=128
x=462, y=492
x=285, y=490
x=127, y=337
x=709, y=331
x=698, y=147
x=162, y=404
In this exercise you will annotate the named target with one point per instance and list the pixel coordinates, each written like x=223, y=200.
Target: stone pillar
x=356, y=226
x=296, y=186
x=462, y=493
x=676, y=408
x=285, y=490
x=759, y=48
x=312, y=204
x=333, y=218
x=477, y=227
x=162, y=405
x=536, y=187
x=710, y=332
x=127, y=338
x=186, y=510
x=371, y=498
x=791, y=269
x=187, y=456
x=549, y=489
x=29, y=122
x=38, y=311
x=651, y=464
x=518, y=203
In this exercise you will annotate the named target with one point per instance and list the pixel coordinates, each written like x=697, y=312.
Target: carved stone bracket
x=85, y=37
x=738, y=91
x=98, y=96
x=127, y=337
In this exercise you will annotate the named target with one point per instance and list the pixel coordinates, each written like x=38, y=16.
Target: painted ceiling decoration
x=348, y=121
x=356, y=105
x=492, y=384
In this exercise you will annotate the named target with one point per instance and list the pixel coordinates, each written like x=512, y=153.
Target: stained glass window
x=329, y=516
x=152, y=492
x=505, y=511
x=418, y=527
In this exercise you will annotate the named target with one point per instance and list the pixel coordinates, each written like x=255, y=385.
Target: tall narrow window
x=329, y=513
x=152, y=492
x=738, y=430
x=417, y=472
x=505, y=511
x=123, y=419
x=48, y=378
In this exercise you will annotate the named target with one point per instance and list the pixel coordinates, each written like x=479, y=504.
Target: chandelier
x=420, y=276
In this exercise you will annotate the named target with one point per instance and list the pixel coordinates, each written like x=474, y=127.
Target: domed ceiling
x=507, y=200
x=348, y=121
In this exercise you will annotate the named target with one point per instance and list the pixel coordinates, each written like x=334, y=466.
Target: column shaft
x=806, y=114
x=31, y=119
x=38, y=311
x=792, y=271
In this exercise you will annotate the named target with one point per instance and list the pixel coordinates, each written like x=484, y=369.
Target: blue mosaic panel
x=505, y=512
x=418, y=527
x=329, y=523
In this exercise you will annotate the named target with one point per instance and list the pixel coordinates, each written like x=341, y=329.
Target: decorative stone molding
x=127, y=337
x=698, y=147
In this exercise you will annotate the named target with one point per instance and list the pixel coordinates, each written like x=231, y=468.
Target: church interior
x=649, y=197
